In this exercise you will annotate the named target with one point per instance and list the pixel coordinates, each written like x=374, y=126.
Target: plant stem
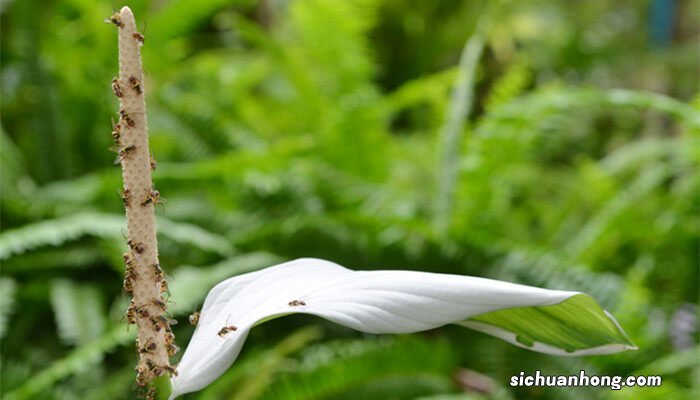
x=144, y=278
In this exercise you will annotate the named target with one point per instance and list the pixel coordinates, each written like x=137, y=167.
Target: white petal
x=368, y=301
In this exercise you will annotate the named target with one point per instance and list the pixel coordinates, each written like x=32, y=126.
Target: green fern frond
x=636, y=156
x=509, y=86
x=459, y=396
x=332, y=36
x=180, y=17
x=112, y=387
x=68, y=257
x=195, y=236
x=682, y=112
x=11, y=163
x=7, y=302
x=188, y=286
x=549, y=270
x=177, y=137
x=406, y=387
x=254, y=373
x=80, y=359
x=58, y=231
x=430, y=89
x=61, y=230
x=529, y=113
x=647, y=181
x=673, y=363
x=193, y=120
x=338, y=369
x=461, y=104
x=78, y=311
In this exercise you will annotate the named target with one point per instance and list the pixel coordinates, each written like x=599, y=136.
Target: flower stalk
x=144, y=279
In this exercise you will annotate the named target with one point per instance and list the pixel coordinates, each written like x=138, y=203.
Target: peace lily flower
x=548, y=321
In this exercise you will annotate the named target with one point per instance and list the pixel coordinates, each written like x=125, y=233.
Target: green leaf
x=58, y=231
x=78, y=310
x=366, y=368
x=61, y=230
x=571, y=327
x=187, y=287
x=7, y=299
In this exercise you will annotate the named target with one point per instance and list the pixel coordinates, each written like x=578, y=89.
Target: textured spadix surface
x=549, y=321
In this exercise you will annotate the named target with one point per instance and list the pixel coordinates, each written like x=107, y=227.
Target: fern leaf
x=637, y=190
x=69, y=257
x=193, y=235
x=349, y=367
x=11, y=163
x=179, y=17
x=58, y=231
x=326, y=26
x=78, y=311
x=7, y=300
x=451, y=132
x=641, y=99
x=431, y=88
x=61, y=230
x=459, y=396
x=80, y=359
x=509, y=86
x=545, y=269
x=188, y=286
x=257, y=372
x=673, y=363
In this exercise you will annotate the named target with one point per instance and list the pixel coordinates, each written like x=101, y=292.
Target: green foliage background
x=314, y=128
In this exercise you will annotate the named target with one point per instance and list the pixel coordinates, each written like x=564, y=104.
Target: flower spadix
x=550, y=321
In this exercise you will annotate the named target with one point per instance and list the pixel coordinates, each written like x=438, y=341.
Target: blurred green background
x=320, y=128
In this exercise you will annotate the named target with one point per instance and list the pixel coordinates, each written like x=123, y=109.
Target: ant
x=135, y=84
x=127, y=286
x=164, y=287
x=130, y=314
x=296, y=303
x=157, y=323
x=155, y=369
x=115, y=19
x=129, y=122
x=171, y=369
x=150, y=347
x=128, y=261
x=123, y=152
x=160, y=275
x=160, y=304
x=126, y=195
x=139, y=37
x=116, y=132
x=137, y=247
x=226, y=329
x=116, y=88
x=160, y=370
x=152, y=197
x=160, y=321
x=141, y=378
x=172, y=349
x=169, y=336
x=142, y=312
x=194, y=318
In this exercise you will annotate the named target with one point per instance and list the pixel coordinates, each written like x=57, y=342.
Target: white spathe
x=368, y=301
